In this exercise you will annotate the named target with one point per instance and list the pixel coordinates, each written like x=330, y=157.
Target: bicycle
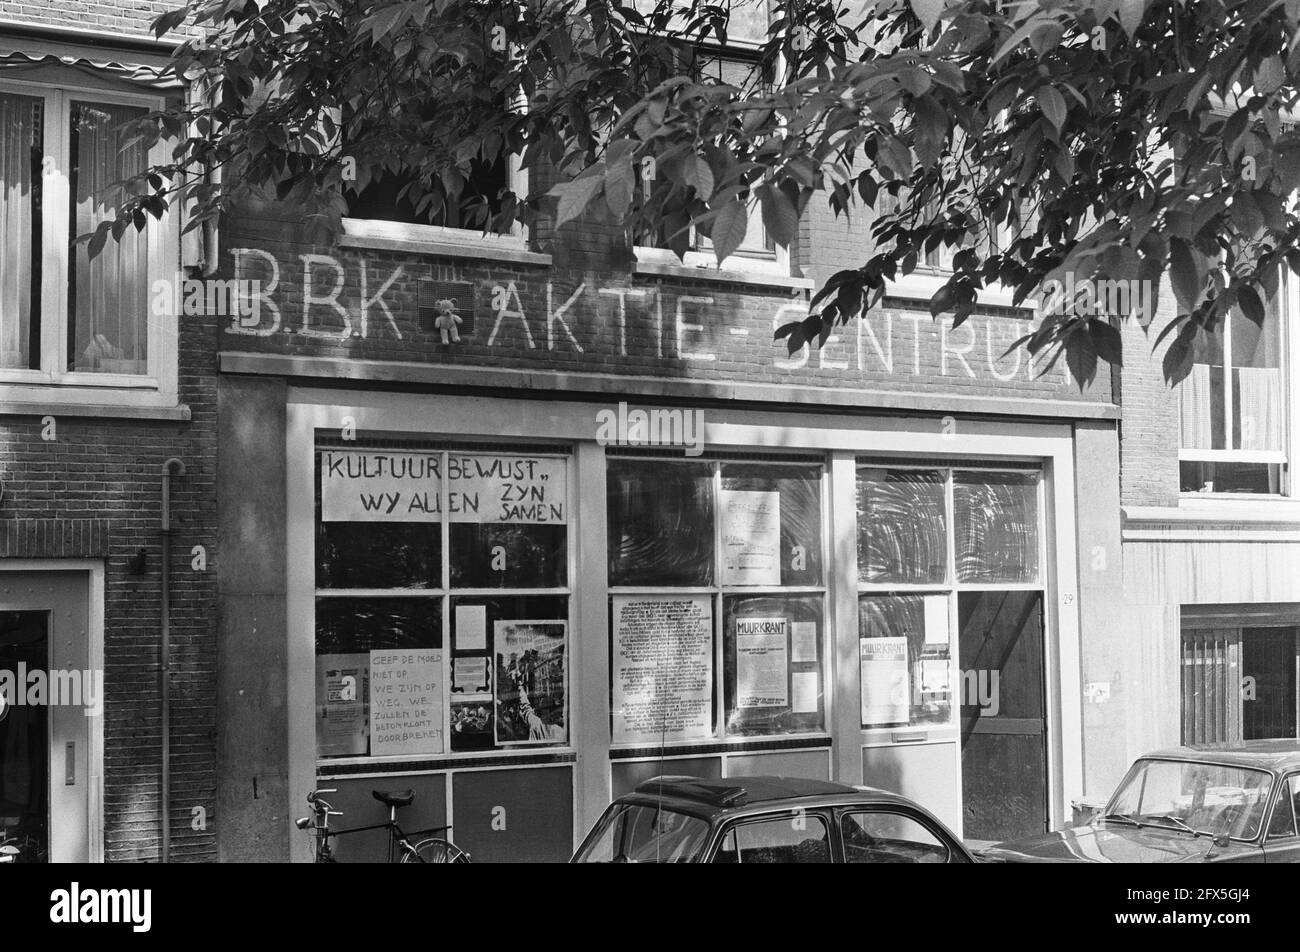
x=20, y=848
x=431, y=849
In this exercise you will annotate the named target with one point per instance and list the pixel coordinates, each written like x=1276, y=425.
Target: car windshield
x=642, y=833
x=1193, y=797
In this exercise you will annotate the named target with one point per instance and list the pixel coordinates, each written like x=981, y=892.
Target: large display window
x=442, y=599
x=717, y=599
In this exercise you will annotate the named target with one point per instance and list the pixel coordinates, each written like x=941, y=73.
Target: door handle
x=70, y=764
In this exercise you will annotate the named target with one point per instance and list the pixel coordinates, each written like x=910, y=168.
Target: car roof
x=718, y=794
x=1268, y=754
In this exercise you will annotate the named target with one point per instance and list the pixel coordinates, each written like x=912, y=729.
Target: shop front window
x=1233, y=409
x=717, y=607
x=442, y=608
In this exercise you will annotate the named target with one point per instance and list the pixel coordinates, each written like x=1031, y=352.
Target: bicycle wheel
x=435, y=850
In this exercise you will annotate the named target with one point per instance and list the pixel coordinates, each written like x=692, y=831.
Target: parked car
x=766, y=820
x=1206, y=804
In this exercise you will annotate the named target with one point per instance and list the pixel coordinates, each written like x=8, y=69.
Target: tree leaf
x=1250, y=304
x=1130, y=15
x=1186, y=277
x=575, y=196
x=729, y=229
x=1052, y=103
x=1081, y=358
x=928, y=12
x=779, y=215
x=620, y=181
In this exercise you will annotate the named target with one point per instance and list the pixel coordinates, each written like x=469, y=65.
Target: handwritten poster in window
x=762, y=662
x=380, y=487
x=511, y=489
x=406, y=702
x=751, y=537
x=885, y=680
x=662, y=669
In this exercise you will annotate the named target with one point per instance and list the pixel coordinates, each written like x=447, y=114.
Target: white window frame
x=53, y=383
x=1288, y=295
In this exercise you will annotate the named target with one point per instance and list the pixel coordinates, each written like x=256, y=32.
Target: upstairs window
x=65, y=153
x=1233, y=409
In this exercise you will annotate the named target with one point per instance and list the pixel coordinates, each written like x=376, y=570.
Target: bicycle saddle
x=394, y=798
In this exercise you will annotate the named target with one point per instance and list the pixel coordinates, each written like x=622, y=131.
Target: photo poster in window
x=762, y=662
x=406, y=701
x=380, y=486
x=530, y=682
x=662, y=669
x=885, y=680
x=751, y=537
x=506, y=489
x=342, y=700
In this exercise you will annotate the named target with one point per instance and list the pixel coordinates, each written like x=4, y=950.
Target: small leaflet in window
x=885, y=680
x=762, y=665
x=751, y=537
x=406, y=701
x=342, y=695
x=803, y=642
x=936, y=620
x=934, y=676
x=470, y=676
x=471, y=627
x=803, y=689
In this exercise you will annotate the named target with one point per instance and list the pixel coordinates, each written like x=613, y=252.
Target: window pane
x=1257, y=381
x=996, y=518
x=387, y=199
x=508, y=519
x=798, y=839
x=889, y=838
x=905, y=655
x=771, y=524
x=772, y=664
x=107, y=297
x=378, y=677
x=1198, y=476
x=509, y=671
x=902, y=532
x=21, y=155
x=660, y=522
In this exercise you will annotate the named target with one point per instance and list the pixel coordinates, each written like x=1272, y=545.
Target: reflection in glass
x=996, y=517
x=660, y=522
x=507, y=555
x=901, y=526
x=378, y=555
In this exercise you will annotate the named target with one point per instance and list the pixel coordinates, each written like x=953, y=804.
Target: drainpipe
x=173, y=467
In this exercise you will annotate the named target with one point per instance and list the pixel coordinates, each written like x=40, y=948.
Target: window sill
x=432, y=240
x=921, y=284
x=697, y=268
x=102, y=402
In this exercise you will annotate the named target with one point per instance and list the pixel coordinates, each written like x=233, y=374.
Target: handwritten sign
x=380, y=487
x=406, y=702
x=358, y=486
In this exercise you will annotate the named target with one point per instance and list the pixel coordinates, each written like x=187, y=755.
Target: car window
x=801, y=838
x=640, y=833
x=881, y=836
x=1283, y=822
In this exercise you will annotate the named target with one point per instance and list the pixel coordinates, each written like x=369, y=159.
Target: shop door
x=1268, y=687
x=44, y=730
x=1003, y=719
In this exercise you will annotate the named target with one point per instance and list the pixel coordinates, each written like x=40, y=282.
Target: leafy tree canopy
x=1039, y=140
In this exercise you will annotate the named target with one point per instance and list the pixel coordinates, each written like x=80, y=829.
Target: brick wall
x=128, y=17
x=1149, y=432
x=93, y=492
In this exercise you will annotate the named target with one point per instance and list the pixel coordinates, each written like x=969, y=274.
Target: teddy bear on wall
x=447, y=320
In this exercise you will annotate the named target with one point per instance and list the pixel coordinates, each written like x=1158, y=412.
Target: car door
x=1282, y=841
x=792, y=836
x=893, y=834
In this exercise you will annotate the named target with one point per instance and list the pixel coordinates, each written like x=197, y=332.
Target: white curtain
x=1196, y=411
x=20, y=132
x=1259, y=398
x=108, y=306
